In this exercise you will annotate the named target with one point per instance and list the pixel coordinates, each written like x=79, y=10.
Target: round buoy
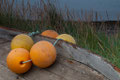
x=43, y=54
x=50, y=33
x=67, y=38
x=15, y=59
x=22, y=41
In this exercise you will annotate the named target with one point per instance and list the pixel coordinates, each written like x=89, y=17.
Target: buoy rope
x=33, y=33
x=31, y=59
x=27, y=61
x=56, y=42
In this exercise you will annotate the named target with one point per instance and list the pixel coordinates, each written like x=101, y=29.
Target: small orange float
x=15, y=59
x=50, y=33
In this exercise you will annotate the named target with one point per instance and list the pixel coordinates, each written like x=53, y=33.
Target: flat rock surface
x=63, y=69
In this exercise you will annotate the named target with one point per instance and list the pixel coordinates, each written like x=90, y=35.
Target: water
x=100, y=6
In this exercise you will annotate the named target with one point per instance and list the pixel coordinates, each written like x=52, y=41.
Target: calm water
x=101, y=6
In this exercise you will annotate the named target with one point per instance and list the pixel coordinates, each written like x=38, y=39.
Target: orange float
x=15, y=59
x=50, y=33
x=43, y=54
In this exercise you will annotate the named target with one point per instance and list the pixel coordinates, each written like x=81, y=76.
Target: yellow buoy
x=22, y=41
x=67, y=38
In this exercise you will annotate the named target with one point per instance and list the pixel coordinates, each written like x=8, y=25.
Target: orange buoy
x=50, y=33
x=15, y=59
x=43, y=54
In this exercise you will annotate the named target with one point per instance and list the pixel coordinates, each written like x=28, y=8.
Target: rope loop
x=53, y=45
